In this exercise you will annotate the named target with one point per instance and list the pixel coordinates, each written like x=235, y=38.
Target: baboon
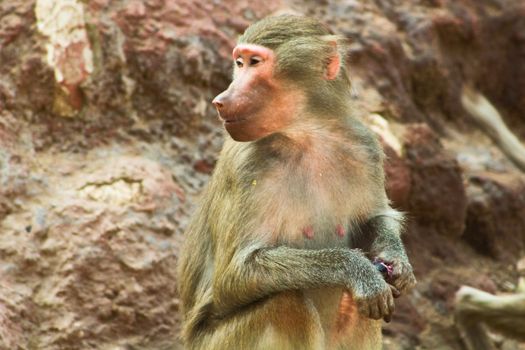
x=278, y=255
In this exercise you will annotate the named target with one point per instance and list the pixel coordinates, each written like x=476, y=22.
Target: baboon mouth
x=232, y=119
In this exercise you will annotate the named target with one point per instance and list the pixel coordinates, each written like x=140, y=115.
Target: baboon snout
x=221, y=100
x=218, y=102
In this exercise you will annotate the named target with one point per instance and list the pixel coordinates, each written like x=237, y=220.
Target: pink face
x=255, y=104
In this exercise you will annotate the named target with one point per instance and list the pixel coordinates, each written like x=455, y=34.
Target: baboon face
x=256, y=104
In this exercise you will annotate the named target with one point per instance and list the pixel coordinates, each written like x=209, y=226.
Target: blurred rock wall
x=107, y=137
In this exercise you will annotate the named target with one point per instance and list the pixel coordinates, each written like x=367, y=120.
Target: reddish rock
x=12, y=26
x=437, y=196
x=15, y=315
x=91, y=209
x=203, y=166
x=398, y=178
x=135, y=9
x=14, y=167
x=495, y=223
x=407, y=321
x=104, y=247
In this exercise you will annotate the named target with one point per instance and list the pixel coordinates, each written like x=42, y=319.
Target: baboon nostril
x=217, y=103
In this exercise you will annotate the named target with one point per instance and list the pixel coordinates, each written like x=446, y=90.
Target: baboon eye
x=239, y=62
x=255, y=60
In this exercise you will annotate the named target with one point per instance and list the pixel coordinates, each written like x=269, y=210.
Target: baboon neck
x=301, y=140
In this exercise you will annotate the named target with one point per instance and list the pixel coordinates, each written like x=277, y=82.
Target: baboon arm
x=386, y=232
x=387, y=245
x=256, y=273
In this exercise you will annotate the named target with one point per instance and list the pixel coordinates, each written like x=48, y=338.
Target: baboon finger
x=391, y=304
x=383, y=303
x=363, y=308
x=401, y=286
x=395, y=291
x=375, y=311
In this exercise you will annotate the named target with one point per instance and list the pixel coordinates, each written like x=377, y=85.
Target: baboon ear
x=334, y=62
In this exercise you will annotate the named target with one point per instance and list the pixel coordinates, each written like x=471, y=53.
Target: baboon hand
x=402, y=276
x=374, y=297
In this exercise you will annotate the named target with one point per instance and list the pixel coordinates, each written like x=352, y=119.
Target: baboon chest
x=310, y=204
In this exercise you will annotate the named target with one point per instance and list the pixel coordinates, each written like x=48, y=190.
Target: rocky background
x=107, y=137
